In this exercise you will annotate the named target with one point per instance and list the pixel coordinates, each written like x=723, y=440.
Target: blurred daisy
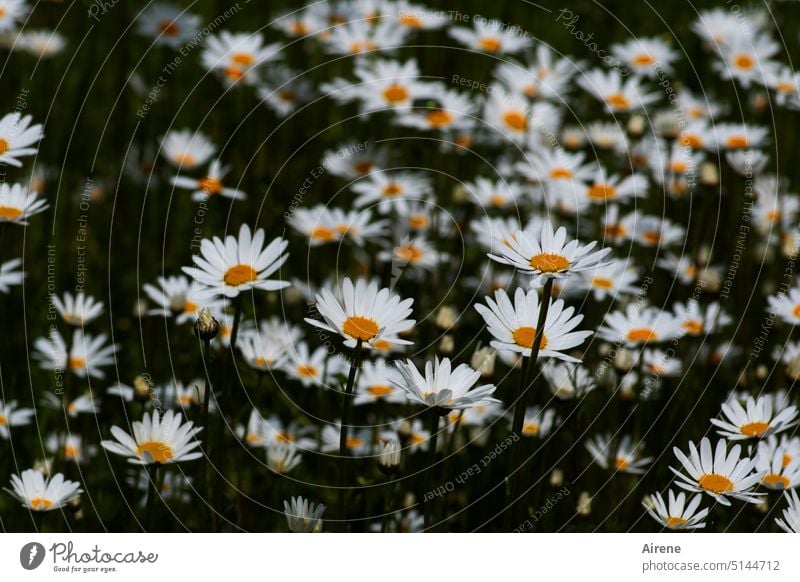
x=386, y=84
x=779, y=470
x=626, y=458
x=495, y=194
x=661, y=364
x=697, y=322
x=790, y=523
x=359, y=37
x=282, y=457
x=652, y=231
x=648, y=57
x=723, y=475
x=677, y=515
x=443, y=387
x=604, y=188
x=77, y=310
x=88, y=353
x=10, y=416
x=744, y=58
x=736, y=136
x=568, y=381
x=416, y=252
x=514, y=325
x=16, y=136
x=70, y=447
x=359, y=441
x=40, y=494
x=12, y=12
x=354, y=160
x=549, y=254
x=640, y=325
x=167, y=24
x=9, y=276
x=262, y=352
x=378, y=382
x=17, y=203
x=316, y=223
x=449, y=111
x=390, y=190
x=236, y=55
x=308, y=367
x=239, y=264
x=156, y=439
x=492, y=36
x=186, y=149
x=178, y=296
x=538, y=422
x=302, y=516
x=42, y=44
x=610, y=280
x=756, y=419
x=617, y=94
x=357, y=225
x=786, y=306
x=209, y=185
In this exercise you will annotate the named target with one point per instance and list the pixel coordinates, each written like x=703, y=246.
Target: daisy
x=754, y=420
x=697, y=135
x=491, y=194
x=724, y=475
x=660, y=364
x=627, y=457
x=10, y=416
x=310, y=21
x=556, y=166
x=745, y=58
x=695, y=107
x=40, y=494
x=70, y=447
x=88, y=353
x=648, y=57
x=416, y=16
x=17, y=203
x=390, y=190
x=791, y=515
x=157, y=439
x=608, y=136
x=16, y=136
x=538, y=422
x=9, y=276
x=510, y=115
x=359, y=37
x=610, y=280
x=448, y=111
x=316, y=223
x=285, y=90
x=548, y=254
x=167, y=24
x=237, y=54
x=283, y=457
x=354, y=160
x=302, y=516
x=779, y=470
x=388, y=84
x=377, y=383
x=696, y=322
x=42, y=44
x=638, y=326
x=737, y=136
x=77, y=310
x=568, y=381
x=178, y=296
x=603, y=188
x=618, y=95
x=681, y=267
x=720, y=25
x=491, y=36
x=784, y=81
x=308, y=367
x=443, y=387
x=364, y=313
x=677, y=515
x=262, y=352
x=358, y=443
x=652, y=231
x=357, y=225
x=209, y=185
x=12, y=12
x=186, y=149
x=514, y=325
x=239, y=264
x=495, y=233
x=786, y=306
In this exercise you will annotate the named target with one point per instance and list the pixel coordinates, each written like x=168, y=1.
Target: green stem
x=428, y=503
x=346, y=406
x=513, y=504
x=152, y=474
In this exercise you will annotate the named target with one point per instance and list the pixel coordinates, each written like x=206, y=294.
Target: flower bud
x=557, y=478
x=141, y=388
x=389, y=457
x=206, y=327
x=446, y=317
x=447, y=345
x=709, y=174
x=584, y=506
x=624, y=360
x=483, y=361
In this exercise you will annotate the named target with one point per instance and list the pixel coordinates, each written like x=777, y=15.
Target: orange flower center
x=490, y=44
x=642, y=335
x=210, y=185
x=184, y=160
x=561, y=173
x=643, y=60
x=418, y=221
x=189, y=307
x=254, y=439
x=70, y=452
x=693, y=327
x=75, y=363
x=307, y=371
x=601, y=191
x=408, y=253
x=516, y=120
x=285, y=437
x=715, y=483
x=796, y=311
x=602, y=282
x=618, y=101
x=243, y=59
x=676, y=522
x=776, y=481
x=773, y=215
x=154, y=452
x=353, y=442
x=754, y=429
x=360, y=328
x=9, y=213
x=3, y=420
x=239, y=275
x=381, y=345
x=263, y=362
x=169, y=28
x=298, y=28
x=651, y=236
x=621, y=463
x=614, y=231
x=784, y=462
x=743, y=61
x=737, y=141
x=322, y=233
x=498, y=200
x=530, y=428
x=440, y=118
x=41, y=503
x=678, y=167
x=363, y=166
x=395, y=94
x=691, y=140
x=393, y=189
x=4, y=146
x=786, y=87
x=524, y=336
x=410, y=20
x=234, y=73
x=549, y=262
x=380, y=390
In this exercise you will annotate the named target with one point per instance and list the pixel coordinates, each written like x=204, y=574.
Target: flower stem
x=355, y=364
x=152, y=474
x=513, y=504
x=427, y=503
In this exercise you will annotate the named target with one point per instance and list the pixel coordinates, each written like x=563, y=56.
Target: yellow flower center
x=737, y=141
x=307, y=371
x=243, y=59
x=561, y=173
x=184, y=160
x=395, y=94
x=524, y=336
x=363, y=167
x=601, y=191
x=380, y=390
x=169, y=28
x=234, y=73
x=776, y=481
x=652, y=236
x=70, y=452
x=4, y=146
x=786, y=87
x=744, y=62
x=409, y=253
x=784, y=462
x=440, y=118
x=353, y=442
x=498, y=200
x=360, y=328
x=9, y=213
x=285, y=437
x=154, y=451
x=210, y=185
x=754, y=429
x=3, y=420
x=618, y=101
x=418, y=221
x=530, y=428
x=299, y=28
x=410, y=20
x=642, y=335
x=692, y=141
x=75, y=363
x=239, y=275
x=615, y=231
x=254, y=439
x=530, y=90
x=263, y=362
x=602, y=282
x=676, y=522
x=774, y=215
x=490, y=44
x=643, y=59
x=381, y=345
x=41, y=503
x=516, y=120
x=549, y=262
x=393, y=189
x=678, y=167
x=322, y=233
x=189, y=307
x=693, y=327
x=715, y=483
x=621, y=463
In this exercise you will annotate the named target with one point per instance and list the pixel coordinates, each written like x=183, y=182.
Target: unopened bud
x=636, y=125
x=667, y=124
x=44, y=466
x=140, y=309
x=624, y=360
x=793, y=369
x=206, y=327
x=584, y=506
x=389, y=457
x=446, y=317
x=557, y=478
x=709, y=174
x=447, y=345
x=483, y=361
x=404, y=431
x=762, y=372
x=709, y=280
x=141, y=388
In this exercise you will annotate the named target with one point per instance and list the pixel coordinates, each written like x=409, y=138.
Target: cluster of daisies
x=547, y=276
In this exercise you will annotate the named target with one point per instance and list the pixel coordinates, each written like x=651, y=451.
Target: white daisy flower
x=449, y=110
x=9, y=276
x=308, y=367
x=359, y=37
x=617, y=94
x=302, y=516
x=40, y=494
x=360, y=440
x=167, y=24
x=87, y=355
x=284, y=90
x=443, y=387
x=514, y=325
x=237, y=55
x=16, y=136
x=10, y=416
x=548, y=254
x=177, y=295
x=316, y=223
x=413, y=252
x=262, y=352
x=626, y=459
x=786, y=305
x=157, y=439
x=661, y=364
x=77, y=310
x=677, y=515
x=605, y=188
x=697, y=321
x=390, y=190
x=11, y=13
x=282, y=457
x=495, y=194
x=186, y=149
x=610, y=280
x=568, y=381
x=648, y=57
x=790, y=523
x=492, y=36
x=354, y=160
x=538, y=422
x=42, y=44
x=780, y=470
x=652, y=231
x=237, y=264
x=18, y=203
x=378, y=382
x=71, y=447
x=386, y=84
x=357, y=225
x=416, y=16
x=756, y=419
x=209, y=185
x=738, y=136
x=639, y=325
x=745, y=58
x=723, y=475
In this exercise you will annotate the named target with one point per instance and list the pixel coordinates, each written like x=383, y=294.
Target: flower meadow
x=388, y=266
